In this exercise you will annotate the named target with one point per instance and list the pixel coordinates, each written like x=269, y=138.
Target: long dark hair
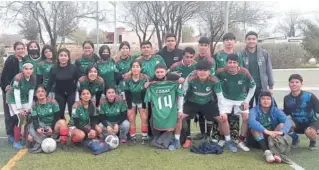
x=102, y=48
x=36, y=89
x=51, y=49
x=89, y=68
x=15, y=45
x=29, y=44
x=67, y=52
x=91, y=107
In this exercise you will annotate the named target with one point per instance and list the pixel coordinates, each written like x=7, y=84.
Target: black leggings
x=62, y=100
x=9, y=120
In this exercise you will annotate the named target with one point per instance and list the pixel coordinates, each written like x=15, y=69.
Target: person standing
x=170, y=53
x=258, y=62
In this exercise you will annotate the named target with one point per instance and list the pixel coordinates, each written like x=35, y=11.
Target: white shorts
x=14, y=110
x=138, y=105
x=227, y=106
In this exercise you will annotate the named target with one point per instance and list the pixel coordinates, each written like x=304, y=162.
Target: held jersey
x=163, y=97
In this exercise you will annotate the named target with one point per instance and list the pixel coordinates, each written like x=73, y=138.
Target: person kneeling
x=113, y=115
x=267, y=120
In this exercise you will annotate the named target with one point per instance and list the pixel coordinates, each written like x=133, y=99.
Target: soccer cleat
x=144, y=139
x=277, y=158
x=221, y=143
x=199, y=136
x=174, y=145
x=295, y=143
x=231, y=146
x=10, y=139
x=242, y=146
x=123, y=141
x=187, y=143
x=132, y=141
x=269, y=157
x=17, y=145
x=312, y=146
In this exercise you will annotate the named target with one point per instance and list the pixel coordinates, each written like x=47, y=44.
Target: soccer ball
x=48, y=145
x=112, y=140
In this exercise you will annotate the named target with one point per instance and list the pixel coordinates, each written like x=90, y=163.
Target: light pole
x=226, y=16
x=97, y=25
x=115, y=31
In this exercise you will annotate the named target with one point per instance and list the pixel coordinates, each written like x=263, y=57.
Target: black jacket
x=10, y=69
x=171, y=57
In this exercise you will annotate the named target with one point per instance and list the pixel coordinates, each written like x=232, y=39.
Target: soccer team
x=168, y=89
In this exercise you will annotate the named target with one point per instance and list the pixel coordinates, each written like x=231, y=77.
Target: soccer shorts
x=301, y=127
x=139, y=105
x=227, y=106
x=208, y=110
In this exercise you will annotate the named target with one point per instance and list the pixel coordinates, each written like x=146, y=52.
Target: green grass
x=6, y=152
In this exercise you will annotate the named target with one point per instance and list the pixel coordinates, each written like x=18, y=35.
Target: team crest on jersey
x=208, y=88
x=50, y=110
x=195, y=87
x=117, y=110
x=240, y=82
x=157, y=62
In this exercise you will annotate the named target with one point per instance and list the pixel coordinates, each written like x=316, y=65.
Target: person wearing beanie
x=267, y=120
x=221, y=56
x=258, y=62
x=303, y=107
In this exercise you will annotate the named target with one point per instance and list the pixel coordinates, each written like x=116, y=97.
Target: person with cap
x=303, y=108
x=267, y=120
x=235, y=82
x=19, y=98
x=221, y=56
x=258, y=62
x=170, y=53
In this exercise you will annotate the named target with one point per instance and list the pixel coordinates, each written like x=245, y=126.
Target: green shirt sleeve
x=123, y=107
x=218, y=87
x=39, y=70
x=55, y=107
x=147, y=95
x=213, y=69
x=180, y=91
x=250, y=82
x=34, y=111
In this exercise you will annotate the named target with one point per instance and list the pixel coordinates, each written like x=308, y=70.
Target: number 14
x=167, y=101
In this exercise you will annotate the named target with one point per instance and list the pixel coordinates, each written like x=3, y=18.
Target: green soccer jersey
x=135, y=87
x=93, y=86
x=209, y=59
x=82, y=113
x=163, y=97
x=45, y=112
x=221, y=58
x=148, y=66
x=107, y=72
x=20, y=83
x=113, y=111
x=235, y=86
x=44, y=68
x=201, y=92
x=265, y=121
x=124, y=65
x=181, y=68
x=83, y=63
x=34, y=62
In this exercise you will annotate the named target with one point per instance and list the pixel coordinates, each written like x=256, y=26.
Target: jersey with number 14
x=163, y=96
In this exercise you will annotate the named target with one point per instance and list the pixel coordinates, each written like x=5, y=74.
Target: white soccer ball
x=48, y=145
x=312, y=61
x=113, y=141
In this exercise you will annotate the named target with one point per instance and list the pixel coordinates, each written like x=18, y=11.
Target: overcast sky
x=308, y=9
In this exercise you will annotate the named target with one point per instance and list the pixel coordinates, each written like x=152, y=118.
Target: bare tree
x=29, y=27
x=79, y=35
x=289, y=24
x=55, y=18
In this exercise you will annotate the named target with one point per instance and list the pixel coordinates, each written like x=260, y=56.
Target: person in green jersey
x=265, y=120
x=204, y=55
x=107, y=68
x=123, y=62
x=19, y=98
x=45, y=121
x=187, y=65
x=235, y=82
x=166, y=98
x=148, y=60
x=221, y=56
x=85, y=119
x=87, y=59
x=33, y=56
x=200, y=90
x=93, y=82
x=113, y=115
x=45, y=66
x=134, y=88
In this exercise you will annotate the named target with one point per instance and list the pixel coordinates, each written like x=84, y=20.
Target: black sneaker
x=199, y=136
x=312, y=146
x=132, y=141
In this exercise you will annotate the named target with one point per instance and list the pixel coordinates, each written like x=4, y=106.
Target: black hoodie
x=171, y=57
x=11, y=68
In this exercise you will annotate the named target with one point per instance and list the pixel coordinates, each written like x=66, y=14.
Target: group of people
x=167, y=89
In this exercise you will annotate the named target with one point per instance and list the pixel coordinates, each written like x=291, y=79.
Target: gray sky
x=308, y=9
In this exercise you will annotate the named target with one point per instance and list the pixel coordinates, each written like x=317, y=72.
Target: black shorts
x=208, y=110
x=301, y=127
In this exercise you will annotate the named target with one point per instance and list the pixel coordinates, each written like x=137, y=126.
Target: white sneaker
x=242, y=146
x=269, y=157
x=221, y=143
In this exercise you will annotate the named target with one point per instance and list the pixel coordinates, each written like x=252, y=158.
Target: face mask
x=33, y=52
x=105, y=56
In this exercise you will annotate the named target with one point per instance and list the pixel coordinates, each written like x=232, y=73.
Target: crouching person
x=267, y=120
x=113, y=115
x=45, y=121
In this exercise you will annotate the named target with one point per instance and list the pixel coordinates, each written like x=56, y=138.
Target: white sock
x=144, y=134
x=227, y=137
x=177, y=137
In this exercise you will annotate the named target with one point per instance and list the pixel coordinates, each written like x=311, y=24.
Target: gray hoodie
x=265, y=67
